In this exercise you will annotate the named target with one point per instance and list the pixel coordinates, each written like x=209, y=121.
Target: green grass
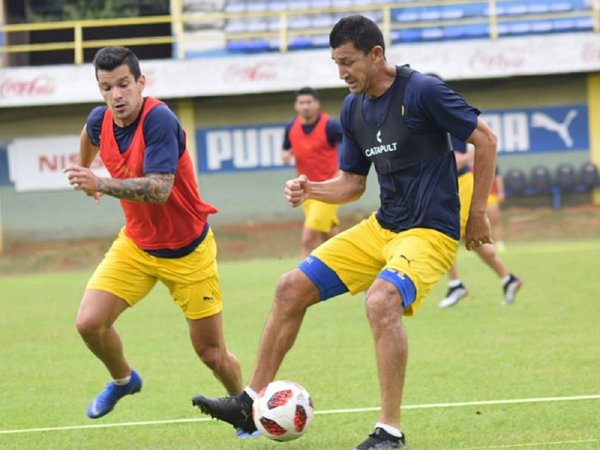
x=546, y=345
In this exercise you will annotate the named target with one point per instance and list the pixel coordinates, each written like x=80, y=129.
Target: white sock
x=251, y=392
x=389, y=429
x=122, y=381
x=504, y=280
x=454, y=283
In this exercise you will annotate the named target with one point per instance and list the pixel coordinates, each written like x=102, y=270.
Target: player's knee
x=291, y=293
x=88, y=326
x=382, y=305
x=211, y=357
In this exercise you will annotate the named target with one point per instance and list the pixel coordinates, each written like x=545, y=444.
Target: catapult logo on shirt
x=382, y=148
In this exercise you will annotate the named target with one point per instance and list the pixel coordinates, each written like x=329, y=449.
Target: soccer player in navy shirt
x=397, y=120
x=166, y=236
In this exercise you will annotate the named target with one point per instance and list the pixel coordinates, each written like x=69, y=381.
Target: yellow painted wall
x=593, y=88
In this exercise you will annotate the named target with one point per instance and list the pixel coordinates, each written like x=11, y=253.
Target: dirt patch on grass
x=280, y=240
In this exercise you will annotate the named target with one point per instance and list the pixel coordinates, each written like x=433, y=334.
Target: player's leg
x=119, y=282
x=494, y=215
x=208, y=341
x=456, y=289
x=309, y=241
x=320, y=224
x=416, y=260
x=97, y=313
x=319, y=277
x=510, y=283
x=294, y=293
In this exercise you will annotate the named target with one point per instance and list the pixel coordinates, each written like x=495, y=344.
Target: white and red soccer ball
x=283, y=411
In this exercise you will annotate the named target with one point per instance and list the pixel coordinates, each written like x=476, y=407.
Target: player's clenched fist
x=295, y=190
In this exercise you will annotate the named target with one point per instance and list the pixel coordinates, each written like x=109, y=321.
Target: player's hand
x=83, y=179
x=296, y=190
x=478, y=231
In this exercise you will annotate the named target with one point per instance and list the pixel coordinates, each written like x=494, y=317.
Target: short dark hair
x=307, y=91
x=361, y=32
x=109, y=58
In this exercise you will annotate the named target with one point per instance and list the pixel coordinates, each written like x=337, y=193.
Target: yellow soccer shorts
x=493, y=199
x=465, y=193
x=193, y=281
x=413, y=260
x=320, y=216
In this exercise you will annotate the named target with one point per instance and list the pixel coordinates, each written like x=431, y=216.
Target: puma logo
x=542, y=120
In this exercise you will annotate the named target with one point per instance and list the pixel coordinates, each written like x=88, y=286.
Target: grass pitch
x=480, y=376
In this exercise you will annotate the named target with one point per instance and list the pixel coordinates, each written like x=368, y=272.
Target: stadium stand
x=306, y=22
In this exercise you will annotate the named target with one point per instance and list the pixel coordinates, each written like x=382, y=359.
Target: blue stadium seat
x=538, y=7
x=432, y=34
x=540, y=180
x=428, y=14
x=517, y=9
x=588, y=176
x=565, y=177
x=563, y=25
x=451, y=13
x=515, y=182
x=410, y=35
x=248, y=46
x=561, y=6
x=300, y=43
x=542, y=26
x=584, y=24
x=320, y=41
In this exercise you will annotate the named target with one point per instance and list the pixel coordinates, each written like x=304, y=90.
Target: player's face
x=355, y=67
x=122, y=93
x=307, y=107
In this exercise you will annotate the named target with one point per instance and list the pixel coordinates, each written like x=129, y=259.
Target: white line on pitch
x=330, y=411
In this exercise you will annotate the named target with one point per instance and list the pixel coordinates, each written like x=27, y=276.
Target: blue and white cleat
x=108, y=398
x=241, y=434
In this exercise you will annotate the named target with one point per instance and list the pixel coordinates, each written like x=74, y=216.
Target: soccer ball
x=283, y=411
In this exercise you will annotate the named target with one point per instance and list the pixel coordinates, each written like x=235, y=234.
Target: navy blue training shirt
x=425, y=194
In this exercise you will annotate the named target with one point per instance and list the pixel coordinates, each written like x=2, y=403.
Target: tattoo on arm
x=152, y=188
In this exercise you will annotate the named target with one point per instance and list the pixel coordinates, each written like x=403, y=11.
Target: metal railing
x=178, y=19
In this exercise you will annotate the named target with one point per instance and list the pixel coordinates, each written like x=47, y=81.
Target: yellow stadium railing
x=178, y=19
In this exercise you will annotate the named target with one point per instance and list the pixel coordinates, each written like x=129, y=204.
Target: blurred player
x=494, y=211
x=166, y=236
x=312, y=139
x=487, y=252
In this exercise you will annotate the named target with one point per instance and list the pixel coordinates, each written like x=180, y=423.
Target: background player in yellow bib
x=397, y=120
x=312, y=138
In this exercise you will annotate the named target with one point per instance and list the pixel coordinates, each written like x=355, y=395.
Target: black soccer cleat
x=382, y=440
x=236, y=410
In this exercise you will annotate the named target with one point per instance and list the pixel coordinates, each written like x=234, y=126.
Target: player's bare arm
x=87, y=151
x=478, y=230
x=152, y=188
x=343, y=188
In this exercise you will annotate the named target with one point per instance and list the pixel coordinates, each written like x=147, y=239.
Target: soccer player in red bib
x=312, y=139
x=166, y=236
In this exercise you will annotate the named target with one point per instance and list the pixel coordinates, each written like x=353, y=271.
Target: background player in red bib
x=166, y=236
x=312, y=138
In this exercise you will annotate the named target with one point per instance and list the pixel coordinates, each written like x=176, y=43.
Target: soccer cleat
x=381, y=440
x=241, y=434
x=112, y=393
x=511, y=287
x=453, y=296
x=236, y=410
